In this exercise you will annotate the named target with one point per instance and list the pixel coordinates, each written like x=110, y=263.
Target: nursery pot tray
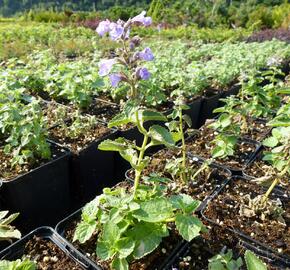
x=226, y=208
x=48, y=249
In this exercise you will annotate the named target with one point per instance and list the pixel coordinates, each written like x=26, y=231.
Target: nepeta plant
x=225, y=261
x=7, y=231
x=128, y=60
x=279, y=143
x=177, y=126
x=131, y=223
x=24, y=264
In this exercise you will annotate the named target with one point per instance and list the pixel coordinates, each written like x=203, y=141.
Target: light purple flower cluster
x=120, y=31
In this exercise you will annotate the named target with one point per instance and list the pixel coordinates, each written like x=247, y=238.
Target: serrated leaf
x=147, y=236
x=253, y=262
x=154, y=210
x=109, y=145
x=120, y=264
x=153, y=116
x=161, y=135
x=125, y=247
x=119, y=120
x=84, y=231
x=104, y=251
x=184, y=202
x=188, y=227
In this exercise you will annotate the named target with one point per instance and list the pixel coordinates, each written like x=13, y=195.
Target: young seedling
x=176, y=126
x=225, y=261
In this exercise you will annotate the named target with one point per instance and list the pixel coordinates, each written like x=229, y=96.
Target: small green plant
x=25, y=132
x=7, y=231
x=20, y=264
x=74, y=124
x=178, y=166
x=225, y=261
x=132, y=226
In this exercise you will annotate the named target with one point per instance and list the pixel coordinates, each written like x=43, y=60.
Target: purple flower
x=142, y=19
x=103, y=28
x=115, y=79
x=143, y=73
x=146, y=54
x=106, y=66
x=116, y=31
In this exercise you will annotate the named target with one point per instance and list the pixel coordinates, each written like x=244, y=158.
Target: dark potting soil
x=257, y=129
x=199, y=188
x=201, y=145
x=259, y=168
x=103, y=110
x=7, y=172
x=224, y=209
x=48, y=256
x=58, y=134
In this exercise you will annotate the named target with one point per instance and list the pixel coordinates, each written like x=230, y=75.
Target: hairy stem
x=183, y=148
x=202, y=168
x=141, y=153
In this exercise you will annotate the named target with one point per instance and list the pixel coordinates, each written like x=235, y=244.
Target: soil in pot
x=199, y=188
x=202, y=146
x=48, y=255
x=8, y=172
x=230, y=208
x=260, y=168
x=61, y=134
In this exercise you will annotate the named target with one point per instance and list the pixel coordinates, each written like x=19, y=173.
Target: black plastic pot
x=232, y=91
x=259, y=248
x=92, y=170
x=194, y=111
x=208, y=104
x=232, y=169
x=16, y=250
x=63, y=225
x=41, y=196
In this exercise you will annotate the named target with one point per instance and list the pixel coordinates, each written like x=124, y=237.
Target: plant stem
x=183, y=148
x=203, y=167
x=141, y=153
x=274, y=183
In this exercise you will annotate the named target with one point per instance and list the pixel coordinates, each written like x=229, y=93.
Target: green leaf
x=104, y=250
x=17, y=265
x=109, y=145
x=189, y=227
x=120, y=264
x=218, y=152
x=84, y=231
x=130, y=155
x=111, y=232
x=147, y=237
x=154, y=210
x=153, y=116
x=270, y=142
x=187, y=120
x=161, y=135
x=119, y=120
x=253, y=262
x=184, y=202
x=125, y=247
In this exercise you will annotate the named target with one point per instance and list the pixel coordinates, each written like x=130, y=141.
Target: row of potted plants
x=138, y=223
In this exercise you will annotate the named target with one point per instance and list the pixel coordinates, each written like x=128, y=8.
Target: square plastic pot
x=63, y=225
x=91, y=170
x=41, y=196
x=257, y=247
x=16, y=250
x=208, y=104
